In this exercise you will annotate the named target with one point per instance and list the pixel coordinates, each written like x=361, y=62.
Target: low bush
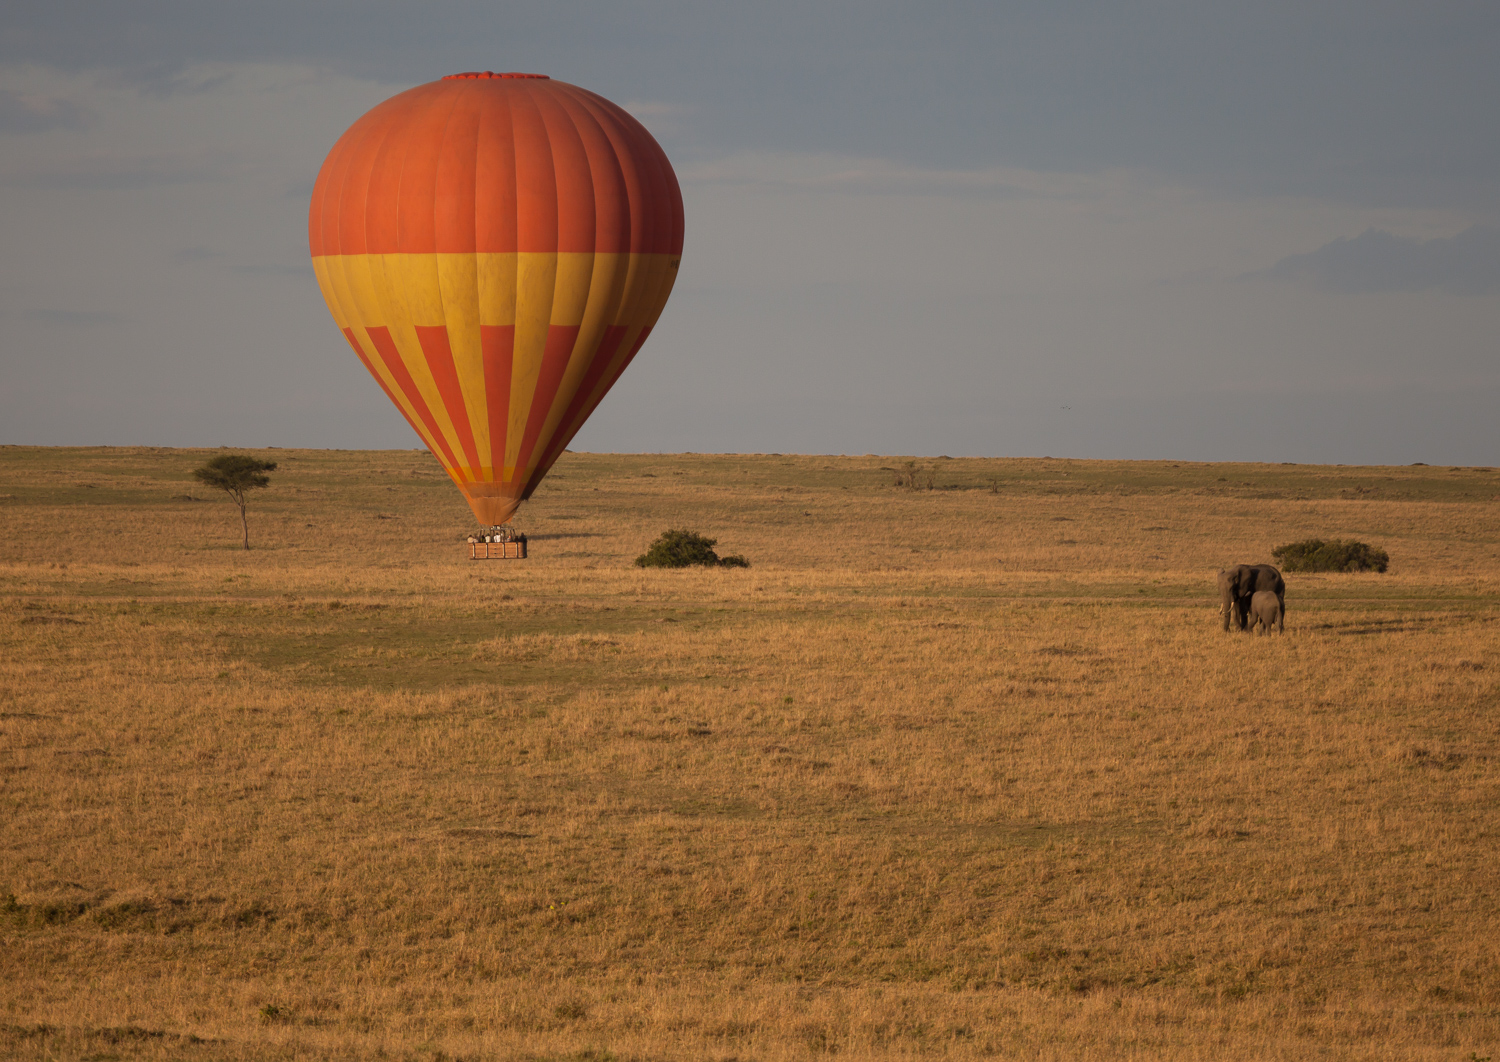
x=685, y=549
x=913, y=476
x=1334, y=555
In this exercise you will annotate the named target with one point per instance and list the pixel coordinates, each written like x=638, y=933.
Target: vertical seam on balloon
x=668, y=192
x=400, y=253
x=608, y=122
x=375, y=156
x=337, y=169
x=489, y=438
x=666, y=188
x=601, y=111
x=437, y=351
x=500, y=433
x=585, y=346
x=623, y=136
x=469, y=445
x=561, y=342
x=555, y=362
x=598, y=127
x=497, y=394
x=337, y=166
x=367, y=258
x=507, y=475
x=520, y=471
x=659, y=189
x=611, y=133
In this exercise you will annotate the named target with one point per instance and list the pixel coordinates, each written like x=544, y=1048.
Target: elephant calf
x=1265, y=612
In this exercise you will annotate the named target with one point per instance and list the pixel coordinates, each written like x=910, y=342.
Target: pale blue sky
x=1248, y=231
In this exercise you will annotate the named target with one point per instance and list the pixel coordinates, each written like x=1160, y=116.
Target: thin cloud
x=29, y=112
x=163, y=81
x=276, y=269
x=199, y=255
x=656, y=109
x=196, y=253
x=114, y=172
x=661, y=118
x=74, y=317
x=1377, y=261
x=849, y=174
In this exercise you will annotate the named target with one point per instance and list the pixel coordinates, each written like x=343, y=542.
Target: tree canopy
x=235, y=474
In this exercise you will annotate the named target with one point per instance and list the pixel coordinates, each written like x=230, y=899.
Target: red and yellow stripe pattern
x=496, y=248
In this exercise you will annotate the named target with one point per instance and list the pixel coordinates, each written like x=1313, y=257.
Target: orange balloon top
x=487, y=162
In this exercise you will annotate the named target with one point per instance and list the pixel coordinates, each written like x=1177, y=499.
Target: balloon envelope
x=496, y=248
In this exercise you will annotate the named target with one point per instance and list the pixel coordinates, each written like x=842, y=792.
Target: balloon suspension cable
x=497, y=542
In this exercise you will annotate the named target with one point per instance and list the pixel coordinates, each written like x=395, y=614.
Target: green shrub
x=684, y=549
x=1334, y=555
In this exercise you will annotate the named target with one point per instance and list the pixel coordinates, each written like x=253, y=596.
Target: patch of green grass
x=423, y=649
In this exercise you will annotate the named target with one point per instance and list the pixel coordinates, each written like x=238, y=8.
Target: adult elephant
x=1238, y=584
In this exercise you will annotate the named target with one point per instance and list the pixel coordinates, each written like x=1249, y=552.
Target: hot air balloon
x=496, y=248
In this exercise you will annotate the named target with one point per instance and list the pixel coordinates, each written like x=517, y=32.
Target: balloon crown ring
x=483, y=75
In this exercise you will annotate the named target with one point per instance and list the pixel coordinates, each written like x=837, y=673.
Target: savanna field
x=955, y=773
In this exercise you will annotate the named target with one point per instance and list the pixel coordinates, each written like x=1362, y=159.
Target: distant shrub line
x=1333, y=555
x=685, y=549
x=913, y=476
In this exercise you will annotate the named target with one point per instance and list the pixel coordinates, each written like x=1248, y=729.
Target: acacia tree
x=235, y=474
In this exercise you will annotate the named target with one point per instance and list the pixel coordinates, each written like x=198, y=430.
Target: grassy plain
x=955, y=773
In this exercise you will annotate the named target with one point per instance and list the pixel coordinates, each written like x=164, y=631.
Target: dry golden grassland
x=953, y=773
